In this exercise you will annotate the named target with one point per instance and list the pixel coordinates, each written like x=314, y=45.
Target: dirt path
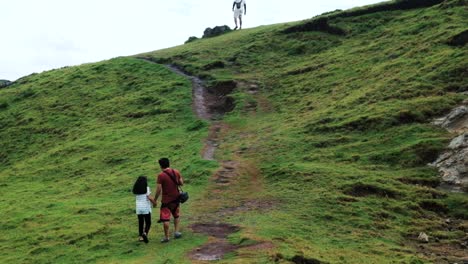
x=211, y=103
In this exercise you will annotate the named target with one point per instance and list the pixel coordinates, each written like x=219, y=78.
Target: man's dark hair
x=164, y=163
x=141, y=185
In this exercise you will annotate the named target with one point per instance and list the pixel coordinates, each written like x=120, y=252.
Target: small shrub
x=196, y=125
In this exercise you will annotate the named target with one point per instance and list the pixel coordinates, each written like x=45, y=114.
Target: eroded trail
x=211, y=104
x=235, y=188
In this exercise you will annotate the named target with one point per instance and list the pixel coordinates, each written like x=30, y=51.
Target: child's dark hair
x=141, y=185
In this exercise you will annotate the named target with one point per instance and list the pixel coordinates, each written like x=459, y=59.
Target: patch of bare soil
x=212, y=251
x=213, y=140
x=228, y=171
x=441, y=250
x=443, y=253
x=218, y=230
x=218, y=245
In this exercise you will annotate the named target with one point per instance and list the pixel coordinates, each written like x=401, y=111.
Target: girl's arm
x=151, y=199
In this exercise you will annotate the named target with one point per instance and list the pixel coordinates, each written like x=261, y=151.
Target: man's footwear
x=177, y=235
x=235, y=28
x=164, y=240
x=145, y=238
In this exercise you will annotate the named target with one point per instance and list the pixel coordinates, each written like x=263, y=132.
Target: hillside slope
x=337, y=114
x=331, y=127
x=74, y=140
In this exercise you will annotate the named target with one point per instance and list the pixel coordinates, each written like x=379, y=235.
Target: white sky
x=38, y=35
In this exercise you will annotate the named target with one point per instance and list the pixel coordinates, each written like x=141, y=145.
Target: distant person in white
x=239, y=7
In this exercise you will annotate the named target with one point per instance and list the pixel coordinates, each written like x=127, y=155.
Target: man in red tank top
x=167, y=184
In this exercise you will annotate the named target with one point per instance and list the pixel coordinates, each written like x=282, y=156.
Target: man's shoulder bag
x=183, y=196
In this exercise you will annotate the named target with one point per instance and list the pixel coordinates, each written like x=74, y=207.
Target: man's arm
x=181, y=180
x=245, y=8
x=158, y=192
x=233, y=5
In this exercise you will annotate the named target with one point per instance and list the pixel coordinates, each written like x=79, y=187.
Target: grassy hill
x=332, y=117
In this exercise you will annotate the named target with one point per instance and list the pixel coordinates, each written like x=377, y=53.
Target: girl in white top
x=143, y=206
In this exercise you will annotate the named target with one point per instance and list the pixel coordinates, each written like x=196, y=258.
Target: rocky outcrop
x=216, y=31
x=211, y=32
x=4, y=83
x=453, y=163
x=457, y=120
x=191, y=39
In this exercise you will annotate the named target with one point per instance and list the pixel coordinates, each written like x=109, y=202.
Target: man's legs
x=240, y=22
x=164, y=217
x=176, y=224
x=166, y=229
x=235, y=22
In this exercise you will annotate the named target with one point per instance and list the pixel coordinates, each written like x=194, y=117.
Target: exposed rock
x=423, y=237
x=455, y=120
x=191, y=39
x=216, y=31
x=453, y=163
x=4, y=83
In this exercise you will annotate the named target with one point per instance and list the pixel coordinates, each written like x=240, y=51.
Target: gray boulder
x=453, y=164
x=457, y=119
x=4, y=83
x=216, y=31
x=191, y=39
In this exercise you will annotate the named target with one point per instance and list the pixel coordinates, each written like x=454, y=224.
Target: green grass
x=345, y=112
x=341, y=137
x=73, y=142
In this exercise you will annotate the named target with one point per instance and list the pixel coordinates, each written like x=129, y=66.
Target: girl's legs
x=140, y=224
x=148, y=223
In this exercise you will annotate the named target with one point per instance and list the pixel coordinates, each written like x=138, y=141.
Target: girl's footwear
x=145, y=238
x=140, y=239
x=164, y=240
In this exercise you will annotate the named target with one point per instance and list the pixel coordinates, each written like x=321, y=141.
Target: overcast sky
x=38, y=35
